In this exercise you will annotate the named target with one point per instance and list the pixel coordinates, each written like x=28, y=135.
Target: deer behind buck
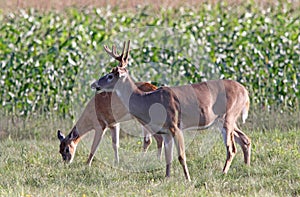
x=170, y=110
x=99, y=115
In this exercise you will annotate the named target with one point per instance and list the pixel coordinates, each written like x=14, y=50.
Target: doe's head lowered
x=67, y=147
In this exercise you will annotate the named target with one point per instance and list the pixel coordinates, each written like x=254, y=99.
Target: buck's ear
x=60, y=136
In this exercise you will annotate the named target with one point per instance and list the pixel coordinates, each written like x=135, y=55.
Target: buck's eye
x=109, y=77
x=67, y=150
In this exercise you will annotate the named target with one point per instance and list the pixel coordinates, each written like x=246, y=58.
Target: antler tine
x=127, y=52
x=113, y=53
x=108, y=51
x=123, y=49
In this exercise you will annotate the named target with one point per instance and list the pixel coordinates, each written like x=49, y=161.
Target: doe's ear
x=60, y=136
x=74, y=134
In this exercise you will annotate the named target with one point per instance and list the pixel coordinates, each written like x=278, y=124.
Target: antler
x=120, y=58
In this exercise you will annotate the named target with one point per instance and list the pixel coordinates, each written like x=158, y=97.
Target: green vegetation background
x=49, y=58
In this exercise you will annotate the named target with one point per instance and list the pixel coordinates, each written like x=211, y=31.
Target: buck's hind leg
x=228, y=137
x=244, y=141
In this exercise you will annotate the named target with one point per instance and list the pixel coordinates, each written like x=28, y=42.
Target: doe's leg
x=99, y=132
x=115, y=136
x=159, y=141
x=147, y=139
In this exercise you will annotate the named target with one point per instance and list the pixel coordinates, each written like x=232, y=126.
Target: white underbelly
x=196, y=126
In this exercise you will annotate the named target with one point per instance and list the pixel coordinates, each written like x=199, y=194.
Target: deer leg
x=99, y=132
x=115, y=133
x=228, y=137
x=168, y=143
x=147, y=139
x=244, y=141
x=179, y=141
x=159, y=141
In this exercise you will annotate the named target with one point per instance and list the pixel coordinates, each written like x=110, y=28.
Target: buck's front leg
x=99, y=132
x=115, y=135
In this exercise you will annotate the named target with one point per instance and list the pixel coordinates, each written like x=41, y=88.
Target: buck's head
x=108, y=82
x=68, y=145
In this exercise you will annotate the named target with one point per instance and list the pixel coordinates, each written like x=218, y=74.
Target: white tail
x=245, y=111
x=170, y=110
x=98, y=115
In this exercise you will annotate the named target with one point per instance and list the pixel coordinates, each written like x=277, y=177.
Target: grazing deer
x=99, y=115
x=170, y=110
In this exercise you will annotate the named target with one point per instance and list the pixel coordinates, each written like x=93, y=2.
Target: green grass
x=32, y=167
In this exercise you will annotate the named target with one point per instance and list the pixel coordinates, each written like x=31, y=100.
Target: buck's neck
x=126, y=89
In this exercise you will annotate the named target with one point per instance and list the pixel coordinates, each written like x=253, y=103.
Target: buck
x=99, y=115
x=170, y=110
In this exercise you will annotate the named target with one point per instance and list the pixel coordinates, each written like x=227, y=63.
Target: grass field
x=32, y=166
